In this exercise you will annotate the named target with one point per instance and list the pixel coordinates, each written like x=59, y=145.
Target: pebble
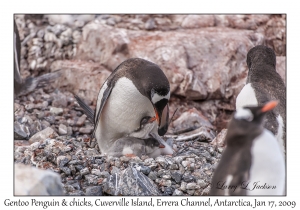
x=145, y=170
x=94, y=191
x=201, y=183
x=62, y=129
x=86, y=130
x=191, y=186
x=177, y=192
x=56, y=111
x=84, y=171
x=62, y=161
x=162, y=161
x=81, y=120
x=152, y=175
x=176, y=176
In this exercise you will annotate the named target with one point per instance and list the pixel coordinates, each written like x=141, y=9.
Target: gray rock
x=145, y=170
x=191, y=186
x=20, y=131
x=185, y=163
x=191, y=120
x=183, y=186
x=188, y=178
x=190, y=192
x=62, y=161
x=166, y=176
x=177, y=192
x=130, y=182
x=84, y=171
x=162, y=161
x=152, y=175
x=201, y=183
x=66, y=170
x=43, y=135
x=62, y=129
x=33, y=181
x=56, y=111
x=168, y=191
x=176, y=176
x=219, y=140
x=163, y=182
x=104, y=174
x=91, y=179
x=81, y=120
x=90, y=152
x=86, y=130
x=174, y=167
x=150, y=24
x=94, y=191
x=34, y=146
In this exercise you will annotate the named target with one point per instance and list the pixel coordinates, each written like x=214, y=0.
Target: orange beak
x=269, y=106
x=152, y=119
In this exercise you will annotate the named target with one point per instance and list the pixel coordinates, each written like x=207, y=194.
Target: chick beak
x=159, y=139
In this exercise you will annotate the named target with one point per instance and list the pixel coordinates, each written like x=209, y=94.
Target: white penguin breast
x=267, y=165
x=122, y=112
x=279, y=134
x=246, y=97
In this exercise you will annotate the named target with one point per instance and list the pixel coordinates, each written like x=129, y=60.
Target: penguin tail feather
x=86, y=109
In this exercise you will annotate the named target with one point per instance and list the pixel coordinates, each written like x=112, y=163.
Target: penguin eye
x=144, y=121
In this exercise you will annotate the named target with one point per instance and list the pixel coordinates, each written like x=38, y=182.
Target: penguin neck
x=239, y=134
x=259, y=71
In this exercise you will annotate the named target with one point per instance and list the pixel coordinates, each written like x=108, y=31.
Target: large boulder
x=204, y=63
x=80, y=77
x=33, y=181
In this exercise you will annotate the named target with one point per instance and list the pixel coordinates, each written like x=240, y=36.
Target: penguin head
x=254, y=114
x=151, y=82
x=261, y=54
x=248, y=121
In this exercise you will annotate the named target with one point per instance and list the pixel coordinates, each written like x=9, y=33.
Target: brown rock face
x=206, y=63
x=81, y=77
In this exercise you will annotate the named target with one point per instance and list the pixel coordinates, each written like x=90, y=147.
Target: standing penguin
x=134, y=95
x=23, y=87
x=265, y=84
x=252, y=162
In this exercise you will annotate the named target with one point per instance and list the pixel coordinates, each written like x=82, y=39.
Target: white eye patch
x=243, y=114
x=155, y=98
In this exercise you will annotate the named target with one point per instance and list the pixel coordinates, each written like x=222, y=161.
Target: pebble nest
x=73, y=154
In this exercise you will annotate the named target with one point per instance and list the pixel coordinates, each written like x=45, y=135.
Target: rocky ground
x=203, y=57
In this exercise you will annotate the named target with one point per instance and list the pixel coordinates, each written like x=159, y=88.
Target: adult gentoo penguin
x=265, y=84
x=252, y=162
x=134, y=95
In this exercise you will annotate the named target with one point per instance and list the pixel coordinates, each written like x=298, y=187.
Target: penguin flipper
x=105, y=96
x=86, y=109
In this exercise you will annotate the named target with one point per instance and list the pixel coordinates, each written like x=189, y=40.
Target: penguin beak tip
x=269, y=106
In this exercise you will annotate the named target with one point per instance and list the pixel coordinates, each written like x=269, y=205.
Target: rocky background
x=204, y=58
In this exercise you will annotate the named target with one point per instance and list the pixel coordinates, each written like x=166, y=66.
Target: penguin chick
x=265, y=84
x=252, y=162
x=131, y=146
